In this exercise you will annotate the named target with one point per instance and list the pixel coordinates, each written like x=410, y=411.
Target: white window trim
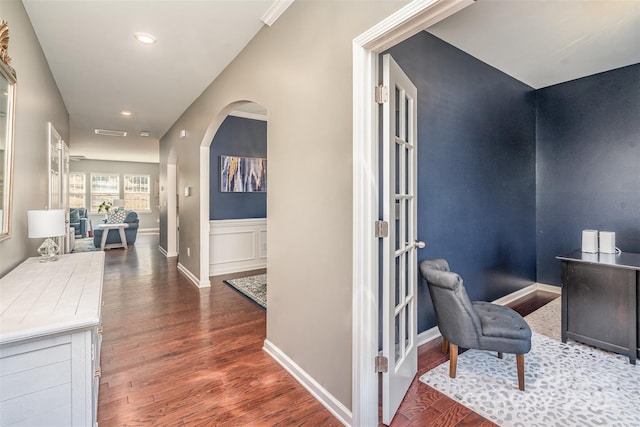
x=125, y=192
x=84, y=185
x=93, y=174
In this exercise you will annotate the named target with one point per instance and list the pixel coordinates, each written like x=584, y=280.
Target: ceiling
x=101, y=69
x=545, y=42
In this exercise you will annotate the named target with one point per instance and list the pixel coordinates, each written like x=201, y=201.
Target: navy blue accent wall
x=476, y=165
x=237, y=137
x=588, y=144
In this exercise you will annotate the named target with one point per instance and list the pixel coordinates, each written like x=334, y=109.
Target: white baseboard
x=236, y=268
x=341, y=412
x=549, y=288
x=526, y=291
x=149, y=230
x=164, y=252
x=428, y=335
x=193, y=279
x=433, y=333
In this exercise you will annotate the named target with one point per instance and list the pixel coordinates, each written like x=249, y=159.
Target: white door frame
x=403, y=24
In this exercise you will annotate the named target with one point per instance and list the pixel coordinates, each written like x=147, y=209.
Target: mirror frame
x=6, y=179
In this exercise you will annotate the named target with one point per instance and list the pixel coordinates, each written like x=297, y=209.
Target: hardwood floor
x=176, y=355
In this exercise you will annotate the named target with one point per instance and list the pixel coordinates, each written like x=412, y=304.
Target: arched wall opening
x=246, y=109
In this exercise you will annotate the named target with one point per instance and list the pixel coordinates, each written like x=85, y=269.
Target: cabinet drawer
x=36, y=382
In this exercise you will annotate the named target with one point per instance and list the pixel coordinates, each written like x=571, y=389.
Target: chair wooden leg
x=499, y=355
x=520, y=362
x=453, y=359
x=445, y=345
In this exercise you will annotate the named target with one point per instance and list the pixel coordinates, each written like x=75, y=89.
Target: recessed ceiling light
x=125, y=113
x=145, y=38
x=145, y=133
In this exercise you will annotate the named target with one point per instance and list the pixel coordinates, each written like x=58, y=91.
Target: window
x=137, y=192
x=77, y=190
x=105, y=187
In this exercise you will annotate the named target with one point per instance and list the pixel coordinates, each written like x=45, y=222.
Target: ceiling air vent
x=107, y=132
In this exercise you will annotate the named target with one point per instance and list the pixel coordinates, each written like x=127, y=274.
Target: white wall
x=38, y=102
x=300, y=70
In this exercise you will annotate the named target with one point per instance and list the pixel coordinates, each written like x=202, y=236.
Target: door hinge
x=382, y=229
x=382, y=94
x=382, y=364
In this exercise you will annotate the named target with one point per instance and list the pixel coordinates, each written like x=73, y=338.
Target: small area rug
x=84, y=245
x=253, y=287
x=566, y=384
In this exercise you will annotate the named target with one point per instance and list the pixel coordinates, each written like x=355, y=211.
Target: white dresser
x=50, y=336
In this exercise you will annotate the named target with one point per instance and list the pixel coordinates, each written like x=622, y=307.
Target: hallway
x=176, y=355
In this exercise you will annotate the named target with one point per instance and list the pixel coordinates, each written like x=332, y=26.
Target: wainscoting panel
x=237, y=245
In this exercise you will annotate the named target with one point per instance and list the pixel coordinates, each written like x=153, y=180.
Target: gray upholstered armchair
x=477, y=325
x=78, y=220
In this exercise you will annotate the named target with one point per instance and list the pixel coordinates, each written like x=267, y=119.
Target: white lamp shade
x=50, y=223
x=118, y=203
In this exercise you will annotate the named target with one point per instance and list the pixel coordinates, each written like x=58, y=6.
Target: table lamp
x=47, y=224
x=118, y=203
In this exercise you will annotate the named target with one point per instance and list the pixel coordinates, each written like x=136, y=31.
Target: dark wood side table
x=600, y=300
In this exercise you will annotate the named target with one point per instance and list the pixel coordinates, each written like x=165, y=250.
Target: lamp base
x=48, y=250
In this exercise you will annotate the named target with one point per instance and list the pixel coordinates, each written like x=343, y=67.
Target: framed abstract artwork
x=243, y=174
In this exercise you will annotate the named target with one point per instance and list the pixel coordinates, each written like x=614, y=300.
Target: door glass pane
x=407, y=165
x=397, y=340
x=407, y=271
x=407, y=325
x=398, y=173
x=397, y=285
x=407, y=228
x=402, y=276
x=397, y=112
x=406, y=119
x=398, y=217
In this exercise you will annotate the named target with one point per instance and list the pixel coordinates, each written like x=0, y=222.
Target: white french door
x=58, y=196
x=399, y=272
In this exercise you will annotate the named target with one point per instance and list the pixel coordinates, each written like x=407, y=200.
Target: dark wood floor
x=176, y=355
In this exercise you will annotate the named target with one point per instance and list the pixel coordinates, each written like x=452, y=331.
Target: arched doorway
x=245, y=109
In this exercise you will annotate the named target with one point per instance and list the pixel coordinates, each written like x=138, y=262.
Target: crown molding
x=277, y=8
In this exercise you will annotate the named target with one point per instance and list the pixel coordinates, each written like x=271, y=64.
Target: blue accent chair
x=130, y=232
x=78, y=220
x=477, y=325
